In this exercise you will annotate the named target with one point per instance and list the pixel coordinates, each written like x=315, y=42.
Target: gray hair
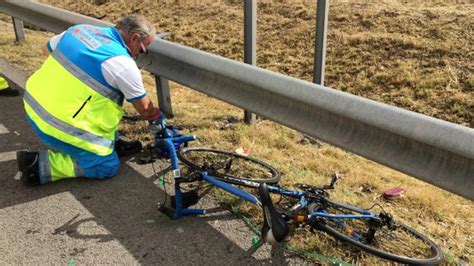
x=135, y=24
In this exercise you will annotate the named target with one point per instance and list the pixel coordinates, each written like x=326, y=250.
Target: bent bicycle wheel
x=398, y=242
x=229, y=167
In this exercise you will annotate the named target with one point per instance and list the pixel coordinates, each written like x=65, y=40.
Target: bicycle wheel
x=229, y=167
x=396, y=242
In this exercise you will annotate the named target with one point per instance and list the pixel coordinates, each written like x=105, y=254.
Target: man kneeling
x=74, y=101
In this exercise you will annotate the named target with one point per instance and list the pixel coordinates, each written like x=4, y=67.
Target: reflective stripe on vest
x=69, y=99
x=66, y=100
x=64, y=127
x=87, y=79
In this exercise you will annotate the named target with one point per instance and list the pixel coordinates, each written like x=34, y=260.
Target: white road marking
x=3, y=129
x=17, y=176
x=10, y=156
x=7, y=156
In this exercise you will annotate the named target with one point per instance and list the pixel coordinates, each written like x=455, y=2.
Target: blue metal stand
x=180, y=211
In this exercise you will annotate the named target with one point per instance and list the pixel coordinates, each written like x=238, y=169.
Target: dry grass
x=417, y=55
x=412, y=54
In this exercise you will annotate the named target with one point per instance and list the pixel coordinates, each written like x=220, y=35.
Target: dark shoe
x=9, y=92
x=28, y=165
x=127, y=148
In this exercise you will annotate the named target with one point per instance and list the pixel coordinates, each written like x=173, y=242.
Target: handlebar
x=315, y=189
x=182, y=139
x=168, y=141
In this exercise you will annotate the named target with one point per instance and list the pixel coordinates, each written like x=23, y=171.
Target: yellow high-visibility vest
x=68, y=98
x=3, y=83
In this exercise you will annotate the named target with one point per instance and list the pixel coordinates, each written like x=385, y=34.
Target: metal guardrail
x=436, y=151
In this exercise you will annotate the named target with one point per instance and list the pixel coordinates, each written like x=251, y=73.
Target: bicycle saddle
x=275, y=228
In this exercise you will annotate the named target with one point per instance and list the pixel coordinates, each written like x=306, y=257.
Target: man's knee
x=108, y=169
x=98, y=167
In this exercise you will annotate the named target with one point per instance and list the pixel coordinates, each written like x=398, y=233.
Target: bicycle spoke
x=231, y=167
x=393, y=242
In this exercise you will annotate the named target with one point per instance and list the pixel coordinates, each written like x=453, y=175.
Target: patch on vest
x=86, y=38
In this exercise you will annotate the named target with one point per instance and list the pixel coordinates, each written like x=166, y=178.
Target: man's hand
x=145, y=108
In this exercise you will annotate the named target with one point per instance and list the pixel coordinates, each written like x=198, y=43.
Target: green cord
x=162, y=181
x=255, y=242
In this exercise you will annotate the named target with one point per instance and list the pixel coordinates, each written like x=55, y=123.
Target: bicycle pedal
x=188, y=198
x=146, y=159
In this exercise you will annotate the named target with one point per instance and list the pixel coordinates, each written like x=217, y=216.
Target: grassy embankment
x=415, y=55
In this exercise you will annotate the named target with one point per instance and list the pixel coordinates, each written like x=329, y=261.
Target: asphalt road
x=115, y=221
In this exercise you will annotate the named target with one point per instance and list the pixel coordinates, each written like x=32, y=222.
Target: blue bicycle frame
x=364, y=214
x=275, y=226
x=180, y=211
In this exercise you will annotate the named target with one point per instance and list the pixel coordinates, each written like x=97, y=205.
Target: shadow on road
x=126, y=206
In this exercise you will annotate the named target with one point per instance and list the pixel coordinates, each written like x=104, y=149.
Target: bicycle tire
x=436, y=255
x=261, y=173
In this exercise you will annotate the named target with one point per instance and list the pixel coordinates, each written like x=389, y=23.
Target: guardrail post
x=322, y=10
x=163, y=88
x=432, y=150
x=250, y=44
x=18, y=26
x=164, y=97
